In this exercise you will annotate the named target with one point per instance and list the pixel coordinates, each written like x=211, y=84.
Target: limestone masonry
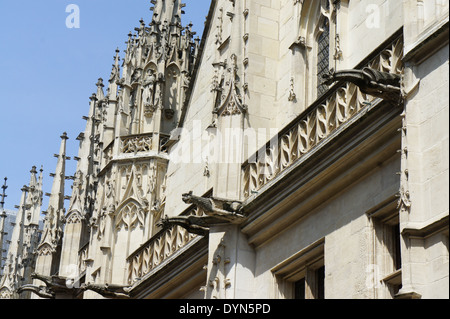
x=297, y=149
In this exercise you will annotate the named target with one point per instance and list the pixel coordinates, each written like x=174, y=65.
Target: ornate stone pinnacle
x=100, y=83
x=3, y=196
x=93, y=97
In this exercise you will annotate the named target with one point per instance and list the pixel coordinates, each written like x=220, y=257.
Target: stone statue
x=379, y=84
x=217, y=211
x=149, y=87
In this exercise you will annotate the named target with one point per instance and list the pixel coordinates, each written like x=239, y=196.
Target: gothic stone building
x=299, y=149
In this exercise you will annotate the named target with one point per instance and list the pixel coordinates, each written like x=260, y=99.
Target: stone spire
x=30, y=227
x=76, y=232
x=3, y=196
x=110, y=105
x=11, y=274
x=49, y=248
x=52, y=223
x=100, y=86
x=84, y=175
x=34, y=198
x=167, y=10
x=2, y=216
x=115, y=72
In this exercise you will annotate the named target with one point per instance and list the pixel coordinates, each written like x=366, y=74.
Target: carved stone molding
x=131, y=216
x=5, y=293
x=231, y=100
x=137, y=144
x=218, y=282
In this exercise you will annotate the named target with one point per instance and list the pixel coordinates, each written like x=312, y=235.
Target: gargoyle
x=108, y=291
x=223, y=209
x=193, y=224
x=41, y=291
x=217, y=211
x=54, y=285
x=379, y=84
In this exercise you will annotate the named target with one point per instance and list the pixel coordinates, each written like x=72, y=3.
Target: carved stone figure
x=193, y=224
x=379, y=84
x=224, y=209
x=108, y=291
x=54, y=285
x=41, y=291
x=148, y=93
x=110, y=204
x=217, y=211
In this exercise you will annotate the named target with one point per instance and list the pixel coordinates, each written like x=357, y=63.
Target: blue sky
x=48, y=73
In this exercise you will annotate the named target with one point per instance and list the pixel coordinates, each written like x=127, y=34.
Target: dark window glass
x=321, y=282
x=323, y=58
x=396, y=241
x=299, y=289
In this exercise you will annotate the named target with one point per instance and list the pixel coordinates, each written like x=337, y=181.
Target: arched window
x=323, y=56
x=317, y=47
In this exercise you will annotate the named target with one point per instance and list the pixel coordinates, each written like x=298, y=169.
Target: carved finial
x=64, y=136
x=93, y=97
x=33, y=170
x=3, y=196
x=100, y=83
x=292, y=95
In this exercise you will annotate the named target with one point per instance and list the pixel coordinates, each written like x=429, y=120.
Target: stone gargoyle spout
x=216, y=211
x=384, y=85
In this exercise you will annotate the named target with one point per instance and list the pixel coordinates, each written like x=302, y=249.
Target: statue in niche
x=158, y=92
x=148, y=93
x=132, y=99
x=108, y=208
x=172, y=88
x=140, y=188
x=110, y=198
x=121, y=104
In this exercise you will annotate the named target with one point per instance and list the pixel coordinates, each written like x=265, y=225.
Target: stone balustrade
x=342, y=102
x=159, y=249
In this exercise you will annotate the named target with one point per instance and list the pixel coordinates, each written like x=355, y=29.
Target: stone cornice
x=351, y=151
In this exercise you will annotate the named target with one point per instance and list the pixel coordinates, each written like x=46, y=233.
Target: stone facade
x=299, y=149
